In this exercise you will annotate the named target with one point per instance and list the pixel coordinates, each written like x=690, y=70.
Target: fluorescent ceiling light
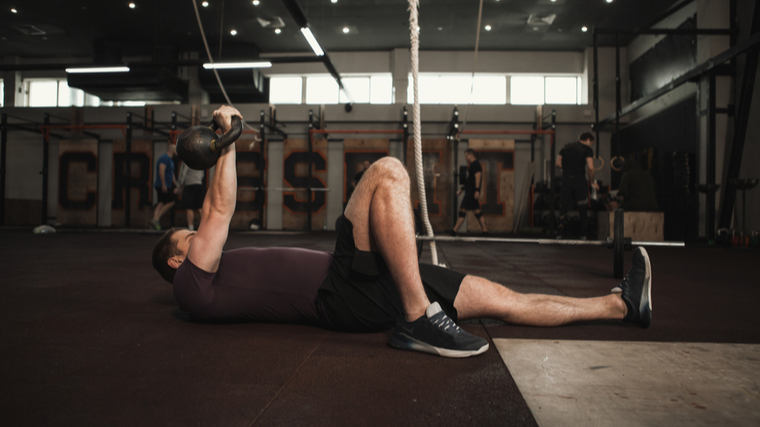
x=231, y=65
x=312, y=41
x=98, y=70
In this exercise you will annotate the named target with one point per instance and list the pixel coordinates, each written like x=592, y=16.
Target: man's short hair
x=470, y=151
x=165, y=248
x=585, y=136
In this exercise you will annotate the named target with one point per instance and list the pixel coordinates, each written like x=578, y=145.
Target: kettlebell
x=199, y=146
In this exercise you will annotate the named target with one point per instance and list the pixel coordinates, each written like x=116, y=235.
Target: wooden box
x=640, y=226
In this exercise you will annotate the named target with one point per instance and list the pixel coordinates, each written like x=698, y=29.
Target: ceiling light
x=233, y=32
x=609, y=1
x=553, y=1
x=333, y=1
x=584, y=28
x=98, y=70
x=204, y=4
x=277, y=31
x=345, y=30
x=256, y=2
x=488, y=28
x=306, y=31
x=132, y=5
x=232, y=65
x=13, y=10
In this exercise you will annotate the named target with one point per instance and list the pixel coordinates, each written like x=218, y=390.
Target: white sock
x=190, y=227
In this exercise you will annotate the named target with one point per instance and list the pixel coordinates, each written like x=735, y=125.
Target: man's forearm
x=591, y=175
x=222, y=194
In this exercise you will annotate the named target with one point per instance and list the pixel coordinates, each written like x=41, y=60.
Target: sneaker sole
x=645, y=306
x=405, y=342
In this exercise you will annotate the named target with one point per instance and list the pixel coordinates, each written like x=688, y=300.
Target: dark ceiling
x=64, y=29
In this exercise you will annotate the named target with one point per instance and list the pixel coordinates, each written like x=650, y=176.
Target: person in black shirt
x=575, y=159
x=471, y=193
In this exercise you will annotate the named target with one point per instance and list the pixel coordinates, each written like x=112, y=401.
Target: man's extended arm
x=558, y=163
x=478, y=181
x=591, y=171
x=219, y=206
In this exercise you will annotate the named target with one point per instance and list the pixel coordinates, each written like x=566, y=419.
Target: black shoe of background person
x=451, y=232
x=637, y=289
x=436, y=333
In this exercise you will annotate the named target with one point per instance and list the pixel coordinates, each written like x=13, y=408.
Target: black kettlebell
x=199, y=146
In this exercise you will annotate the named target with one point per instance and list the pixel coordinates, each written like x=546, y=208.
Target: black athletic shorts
x=167, y=197
x=469, y=202
x=192, y=196
x=359, y=294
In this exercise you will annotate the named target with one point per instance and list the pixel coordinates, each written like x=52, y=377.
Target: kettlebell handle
x=228, y=138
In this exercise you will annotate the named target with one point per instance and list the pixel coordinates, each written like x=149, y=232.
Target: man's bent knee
x=390, y=165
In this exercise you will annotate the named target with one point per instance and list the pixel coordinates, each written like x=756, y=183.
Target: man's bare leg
x=460, y=221
x=157, y=212
x=164, y=209
x=479, y=297
x=381, y=212
x=482, y=221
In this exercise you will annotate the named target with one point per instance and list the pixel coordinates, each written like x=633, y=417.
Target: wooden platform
x=643, y=226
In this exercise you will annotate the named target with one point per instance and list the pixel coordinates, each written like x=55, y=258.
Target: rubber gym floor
x=91, y=336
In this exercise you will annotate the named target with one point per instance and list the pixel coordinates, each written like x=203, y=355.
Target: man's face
x=469, y=157
x=171, y=149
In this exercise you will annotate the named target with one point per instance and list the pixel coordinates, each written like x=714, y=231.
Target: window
x=489, y=90
x=2, y=93
x=358, y=87
x=285, y=90
x=381, y=90
x=538, y=90
x=43, y=93
x=68, y=97
x=56, y=93
x=562, y=90
x=459, y=89
x=321, y=90
x=526, y=90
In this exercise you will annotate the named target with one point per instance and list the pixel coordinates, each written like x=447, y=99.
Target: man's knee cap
x=462, y=214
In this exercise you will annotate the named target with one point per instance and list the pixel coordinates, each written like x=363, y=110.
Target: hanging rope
x=211, y=59
x=415, y=37
x=474, y=67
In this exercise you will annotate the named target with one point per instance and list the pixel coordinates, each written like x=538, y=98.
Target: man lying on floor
x=371, y=282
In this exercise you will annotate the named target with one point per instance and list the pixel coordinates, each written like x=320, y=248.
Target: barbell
x=618, y=243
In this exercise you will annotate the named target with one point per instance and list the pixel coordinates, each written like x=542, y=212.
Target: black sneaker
x=436, y=333
x=637, y=289
x=451, y=232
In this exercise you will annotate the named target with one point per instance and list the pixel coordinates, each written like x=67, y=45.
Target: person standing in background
x=471, y=188
x=575, y=159
x=165, y=185
x=190, y=185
